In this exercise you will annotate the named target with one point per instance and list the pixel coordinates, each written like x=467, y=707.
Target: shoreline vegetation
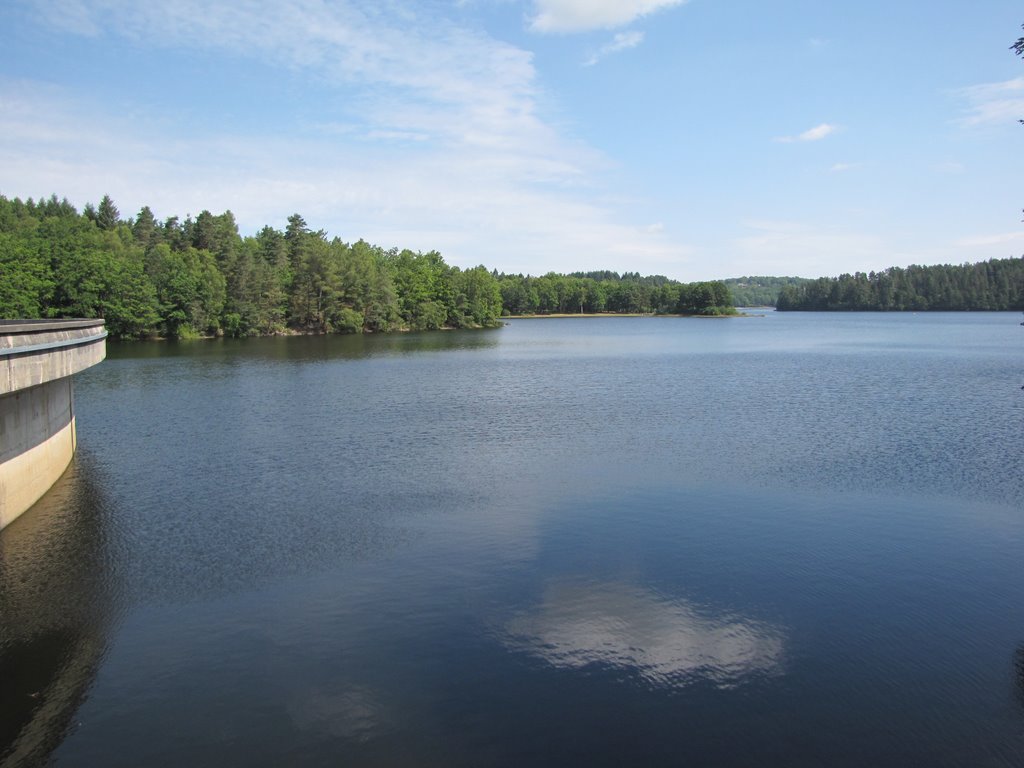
x=200, y=278
x=989, y=286
x=567, y=315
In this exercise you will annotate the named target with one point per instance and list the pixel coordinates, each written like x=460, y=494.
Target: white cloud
x=621, y=42
x=781, y=247
x=73, y=16
x=791, y=247
x=1000, y=238
x=993, y=103
x=841, y=167
x=474, y=203
x=817, y=133
x=586, y=15
x=397, y=136
x=443, y=145
x=667, y=642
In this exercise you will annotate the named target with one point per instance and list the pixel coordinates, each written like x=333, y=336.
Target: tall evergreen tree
x=107, y=215
x=144, y=228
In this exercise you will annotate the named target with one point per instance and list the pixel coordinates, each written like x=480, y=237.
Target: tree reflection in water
x=55, y=610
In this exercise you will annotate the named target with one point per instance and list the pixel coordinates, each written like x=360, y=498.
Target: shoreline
x=558, y=315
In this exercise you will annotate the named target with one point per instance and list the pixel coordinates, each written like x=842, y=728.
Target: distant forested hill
x=760, y=291
x=989, y=285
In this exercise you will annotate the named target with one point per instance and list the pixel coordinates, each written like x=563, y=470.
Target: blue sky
x=702, y=139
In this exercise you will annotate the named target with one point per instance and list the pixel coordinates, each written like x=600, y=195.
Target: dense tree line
x=596, y=292
x=195, y=277
x=993, y=285
x=989, y=285
x=759, y=291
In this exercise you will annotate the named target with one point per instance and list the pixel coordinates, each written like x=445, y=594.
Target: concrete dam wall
x=37, y=416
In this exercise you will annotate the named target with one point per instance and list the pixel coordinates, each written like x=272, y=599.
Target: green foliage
x=989, y=285
x=425, y=294
x=707, y=298
x=347, y=320
x=428, y=316
x=200, y=277
x=477, y=298
x=604, y=291
x=760, y=291
x=366, y=287
x=107, y=215
x=27, y=281
x=56, y=263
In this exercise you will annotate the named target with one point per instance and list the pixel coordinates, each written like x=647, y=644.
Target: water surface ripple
x=788, y=540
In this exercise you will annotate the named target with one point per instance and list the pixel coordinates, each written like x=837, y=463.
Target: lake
x=784, y=540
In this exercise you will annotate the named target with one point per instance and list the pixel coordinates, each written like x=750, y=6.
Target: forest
x=759, y=291
x=604, y=291
x=200, y=277
x=993, y=285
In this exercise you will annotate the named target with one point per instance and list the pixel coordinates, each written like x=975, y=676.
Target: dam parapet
x=38, y=359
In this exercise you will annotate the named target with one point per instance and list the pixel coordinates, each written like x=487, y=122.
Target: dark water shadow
x=312, y=348
x=56, y=609
x=1018, y=675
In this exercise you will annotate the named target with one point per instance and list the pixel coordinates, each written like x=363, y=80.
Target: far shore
x=578, y=314
x=615, y=314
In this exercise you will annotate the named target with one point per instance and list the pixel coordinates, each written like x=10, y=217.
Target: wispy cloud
x=621, y=42
x=842, y=167
x=1001, y=238
x=74, y=16
x=993, y=103
x=396, y=136
x=586, y=15
x=436, y=136
x=817, y=133
x=777, y=245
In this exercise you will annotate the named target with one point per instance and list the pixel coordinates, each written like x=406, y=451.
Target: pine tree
x=107, y=216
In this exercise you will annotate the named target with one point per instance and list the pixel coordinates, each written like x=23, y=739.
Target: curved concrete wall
x=37, y=418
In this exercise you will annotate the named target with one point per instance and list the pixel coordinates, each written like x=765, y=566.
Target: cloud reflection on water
x=667, y=642
x=352, y=714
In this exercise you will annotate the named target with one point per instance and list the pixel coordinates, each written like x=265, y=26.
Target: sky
x=697, y=139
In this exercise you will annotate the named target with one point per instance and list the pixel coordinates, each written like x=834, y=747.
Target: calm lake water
x=787, y=540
